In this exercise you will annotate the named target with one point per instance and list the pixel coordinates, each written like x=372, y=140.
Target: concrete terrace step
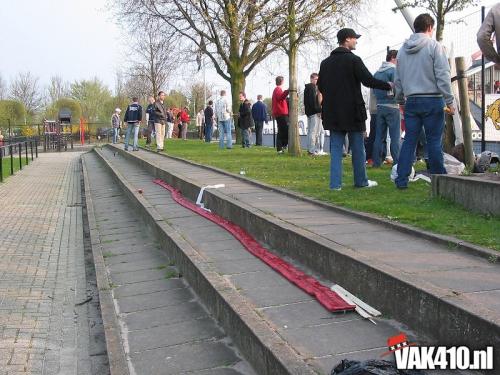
x=436, y=290
x=162, y=326
x=319, y=338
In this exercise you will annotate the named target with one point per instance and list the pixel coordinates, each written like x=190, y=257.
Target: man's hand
x=449, y=109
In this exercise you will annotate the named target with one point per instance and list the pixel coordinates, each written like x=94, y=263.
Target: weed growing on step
x=171, y=274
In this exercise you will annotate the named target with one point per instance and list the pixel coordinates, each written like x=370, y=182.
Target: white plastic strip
x=421, y=177
x=362, y=308
x=200, y=194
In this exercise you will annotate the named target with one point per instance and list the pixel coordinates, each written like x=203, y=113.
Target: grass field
x=310, y=176
x=6, y=165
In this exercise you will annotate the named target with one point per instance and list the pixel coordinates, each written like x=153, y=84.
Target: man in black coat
x=344, y=112
x=312, y=108
x=245, y=121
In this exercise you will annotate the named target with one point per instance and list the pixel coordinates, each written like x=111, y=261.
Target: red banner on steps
x=328, y=298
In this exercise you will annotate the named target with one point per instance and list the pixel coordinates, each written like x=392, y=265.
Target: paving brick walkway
x=43, y=330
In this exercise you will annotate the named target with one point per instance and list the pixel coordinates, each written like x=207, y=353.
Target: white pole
x=406, y=14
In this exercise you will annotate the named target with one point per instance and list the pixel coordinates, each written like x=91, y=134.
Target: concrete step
x=319, y=339
x=436, y=290
x=154, y=321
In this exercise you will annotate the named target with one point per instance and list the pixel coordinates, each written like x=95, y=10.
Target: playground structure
x=58, y=133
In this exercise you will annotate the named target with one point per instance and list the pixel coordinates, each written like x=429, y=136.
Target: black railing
x=8, y=151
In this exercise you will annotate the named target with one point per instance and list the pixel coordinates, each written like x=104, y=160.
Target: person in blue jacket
x=388, y=116
x=133, y=118
x=259, y=114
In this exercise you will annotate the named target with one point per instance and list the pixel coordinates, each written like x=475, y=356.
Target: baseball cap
x=343, y=34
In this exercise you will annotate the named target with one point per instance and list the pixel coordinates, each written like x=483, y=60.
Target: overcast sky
x=77, y=39
x=72, y=38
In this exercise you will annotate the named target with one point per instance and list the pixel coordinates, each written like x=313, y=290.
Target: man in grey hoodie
x=490, y=25
x=423, y=77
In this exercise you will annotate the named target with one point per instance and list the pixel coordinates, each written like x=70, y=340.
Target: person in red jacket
x=280, y=113
x=185, y=121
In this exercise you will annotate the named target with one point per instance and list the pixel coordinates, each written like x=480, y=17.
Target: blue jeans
x=115, y=135
x=208, y=131
x=245, y=137
x=132, y=127
x=426, y=112
x=259, y=125
x=225, y=131
x=356, y=141
x=387, y=117
x=313, y=124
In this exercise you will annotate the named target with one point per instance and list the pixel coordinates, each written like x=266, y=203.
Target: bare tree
x=155, y=56
x=57, y=89
x=439, y=9
x=136, y=86
x=25, y=89
x=234, y=34
x=3, y=89
x=306, y=21
x=198, y=92
x=237, y=35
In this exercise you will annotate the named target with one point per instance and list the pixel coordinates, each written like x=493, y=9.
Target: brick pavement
x=42, y=273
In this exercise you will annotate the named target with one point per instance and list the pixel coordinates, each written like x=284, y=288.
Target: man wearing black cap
x=344, y=112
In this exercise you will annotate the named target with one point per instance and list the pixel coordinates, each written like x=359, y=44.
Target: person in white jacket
x=223, y=113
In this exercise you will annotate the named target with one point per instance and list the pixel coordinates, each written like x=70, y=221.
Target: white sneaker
x=371, y=184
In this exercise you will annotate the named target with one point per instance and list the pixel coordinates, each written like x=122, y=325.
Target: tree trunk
x=439, y=21
x=237, y=85
x=293, y=114
x=449, y=135
x=449, y=129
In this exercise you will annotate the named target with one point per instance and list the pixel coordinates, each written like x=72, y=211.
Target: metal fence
x=19, y=150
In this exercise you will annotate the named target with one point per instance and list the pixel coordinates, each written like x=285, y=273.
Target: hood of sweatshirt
x=416, y=42
x=386, y=66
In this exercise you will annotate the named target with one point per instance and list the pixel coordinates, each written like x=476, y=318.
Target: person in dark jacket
x=313, y=112
x=209, y=121
x=259, y=115
x=160, y=119
x=133, y=118
x=150, y=120
x=343, y=107
x=245, y=120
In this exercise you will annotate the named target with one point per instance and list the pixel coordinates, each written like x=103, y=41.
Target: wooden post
x=449, y=135
x=465, y=112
